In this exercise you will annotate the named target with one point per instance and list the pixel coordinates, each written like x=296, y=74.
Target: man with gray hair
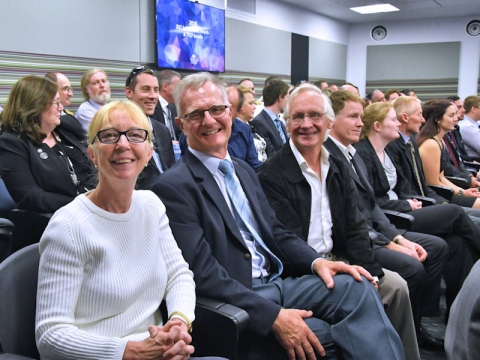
x=96, y=90
x=298, y=303
x=165, y=111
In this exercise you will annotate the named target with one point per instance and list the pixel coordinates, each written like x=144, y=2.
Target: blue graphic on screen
x=190, y=36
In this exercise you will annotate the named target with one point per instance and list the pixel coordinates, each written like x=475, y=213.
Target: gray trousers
x=349, y=320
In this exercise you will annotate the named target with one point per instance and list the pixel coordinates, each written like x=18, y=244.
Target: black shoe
x=427, y=341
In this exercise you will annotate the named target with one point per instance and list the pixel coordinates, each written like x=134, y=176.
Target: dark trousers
x=423, y=279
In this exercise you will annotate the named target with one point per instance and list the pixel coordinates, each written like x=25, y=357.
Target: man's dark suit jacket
x=164, y=148
x=400, y=155
x=70, y=123
x=450, y=168
x=265, y=127
x=159, y=116
x=211, y=243
x=376, y=219
x=290, y=195
x=460, y=144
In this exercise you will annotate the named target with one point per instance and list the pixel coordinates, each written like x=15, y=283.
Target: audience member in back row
x=470, y=127
x=245, y=113
x=267, y=123
x=95, y=298
x=67, y=121
x=96, y=90
x=44, y=166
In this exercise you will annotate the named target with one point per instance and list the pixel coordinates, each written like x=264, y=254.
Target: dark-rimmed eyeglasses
x=112, y=136
x=198, y=115
x=136, y=71
x=313, y=116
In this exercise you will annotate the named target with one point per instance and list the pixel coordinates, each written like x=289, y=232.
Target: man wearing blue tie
x=299, y=305
x=267, y=123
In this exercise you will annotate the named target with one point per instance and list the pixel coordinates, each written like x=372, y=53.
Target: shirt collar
x=210, y=162
x=465, y=117
x=405, y=138
x=324, y=155
x=346, y=150
x=270, y=113
x=163, y=102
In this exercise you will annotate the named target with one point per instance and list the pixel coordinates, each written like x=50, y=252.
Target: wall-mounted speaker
x=473, y=28
x=379, y=33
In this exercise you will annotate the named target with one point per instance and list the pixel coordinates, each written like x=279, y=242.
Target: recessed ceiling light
x=372, y=9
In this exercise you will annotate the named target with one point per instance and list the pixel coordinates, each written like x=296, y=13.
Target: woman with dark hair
x=440, y=117
x=43, y=166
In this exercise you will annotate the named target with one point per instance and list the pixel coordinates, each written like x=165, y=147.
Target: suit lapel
x=272, y=126
x=333, y=148
x=205, y=181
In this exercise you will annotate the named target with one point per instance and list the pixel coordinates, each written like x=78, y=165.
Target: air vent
x=379, y=33
x=246, y=6
x=473, y=28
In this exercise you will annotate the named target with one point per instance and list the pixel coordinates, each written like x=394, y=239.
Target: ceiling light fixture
x=373, y=9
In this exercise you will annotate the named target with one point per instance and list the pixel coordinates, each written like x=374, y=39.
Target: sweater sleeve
x=180, y=291
x=61, y=273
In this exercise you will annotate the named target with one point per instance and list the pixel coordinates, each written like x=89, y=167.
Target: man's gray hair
x=166, y=76
x=194, y=82
x=327, y=105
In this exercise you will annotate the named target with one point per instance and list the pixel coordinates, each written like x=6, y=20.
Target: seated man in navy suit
x=298, y=304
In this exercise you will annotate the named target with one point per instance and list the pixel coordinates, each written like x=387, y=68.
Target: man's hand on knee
x=295, y=336
x=326, y=269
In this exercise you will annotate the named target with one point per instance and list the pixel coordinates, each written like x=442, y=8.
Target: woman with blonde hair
x=109, y=258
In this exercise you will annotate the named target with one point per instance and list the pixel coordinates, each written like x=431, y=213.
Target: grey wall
x=327, y=59
x=255, y=48
x=106, y=29
x=413, y=61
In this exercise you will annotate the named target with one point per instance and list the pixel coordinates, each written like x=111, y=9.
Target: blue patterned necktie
x=278, y=124
x=244, y=214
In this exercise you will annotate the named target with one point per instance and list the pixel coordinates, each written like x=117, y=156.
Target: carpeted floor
x=436, y=327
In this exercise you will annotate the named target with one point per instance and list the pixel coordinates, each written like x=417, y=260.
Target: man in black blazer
x=165, y=111
x=313, y=195
x=301, y=313
x=142, y=88
x=418, y=258
x=67, y=120
x=267, y=123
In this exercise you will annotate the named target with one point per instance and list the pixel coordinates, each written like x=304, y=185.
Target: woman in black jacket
x=44, y=166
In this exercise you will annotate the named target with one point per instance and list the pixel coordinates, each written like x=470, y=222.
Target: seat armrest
x=29, y=227
x=443, y=191
x=458, y=181
x=472, y=166
x=400, y=220
x=426, y=201
x=217, y=328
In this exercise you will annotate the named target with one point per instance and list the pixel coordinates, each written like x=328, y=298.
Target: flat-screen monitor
x=190, y=36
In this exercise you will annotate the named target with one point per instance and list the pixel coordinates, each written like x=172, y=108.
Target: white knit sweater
x=102, y=277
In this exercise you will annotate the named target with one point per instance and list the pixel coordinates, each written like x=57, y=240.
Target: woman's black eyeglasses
x=112, y=136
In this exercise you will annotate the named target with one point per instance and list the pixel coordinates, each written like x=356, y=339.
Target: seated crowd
x=277, y=206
